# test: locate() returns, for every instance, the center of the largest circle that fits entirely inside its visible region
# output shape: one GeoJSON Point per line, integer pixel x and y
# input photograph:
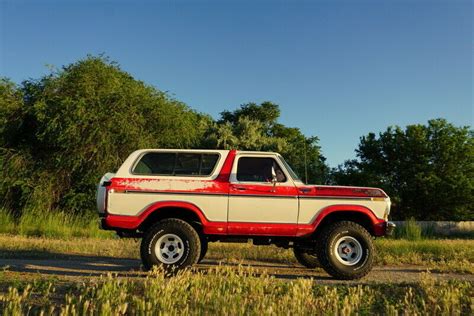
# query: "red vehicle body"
{"type": "Point", "coordinates": [218, 195]}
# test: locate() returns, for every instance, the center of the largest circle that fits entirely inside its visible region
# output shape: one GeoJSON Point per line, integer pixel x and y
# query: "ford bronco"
{"type": "Point", "coordinates": [178, 201]}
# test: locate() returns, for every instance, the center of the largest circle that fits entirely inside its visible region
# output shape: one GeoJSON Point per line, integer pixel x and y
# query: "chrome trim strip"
{"type": "Point", "coordinates": [213, 194]}
{"type": "Point", "coordinates": [175, 193]}
{"type": "Point", "coordinates": [253, 195]}
{"type": "Point", "coordinates": [265, 196]}
{"type": "Point", "coordinates": [336, 198]}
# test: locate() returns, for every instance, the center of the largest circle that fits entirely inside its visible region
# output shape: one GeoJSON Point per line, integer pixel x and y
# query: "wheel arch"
{"type": "Point", "coordinates": [186, 211]}
{"type": "Point", "coordinates": [354, 213]}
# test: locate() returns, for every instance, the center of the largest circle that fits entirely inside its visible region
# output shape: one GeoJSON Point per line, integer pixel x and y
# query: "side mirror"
{"type": "Point", "coordinates": [274, 175]}
{"type": "Point", "coordinates": [274, 179]}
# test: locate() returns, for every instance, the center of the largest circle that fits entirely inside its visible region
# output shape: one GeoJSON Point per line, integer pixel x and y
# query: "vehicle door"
{"type": "Point", "coordinates": [263, 200]}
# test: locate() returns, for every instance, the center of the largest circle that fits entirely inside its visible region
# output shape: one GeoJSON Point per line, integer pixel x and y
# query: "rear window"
{"type": "Point", "coordinates": [176, 164]}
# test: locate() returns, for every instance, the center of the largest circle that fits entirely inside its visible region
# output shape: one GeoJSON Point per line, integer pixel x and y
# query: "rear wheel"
{"type": "Point", "coordinates": [306, 258]}
{"type": "Point", "coordinates": [345, 250]}
{"type": "Point", "coordinates": [172, 244]}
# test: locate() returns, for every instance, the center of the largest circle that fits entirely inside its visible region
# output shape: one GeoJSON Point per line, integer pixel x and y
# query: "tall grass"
{"type": "Point", "coordinates": [225, 291]}
{"type": "Point", "coordinates": [51, 224]}
{"type": "Point", "coordinates": [410, 230]}
{"type": "Point", "coordinates": [7, 224]}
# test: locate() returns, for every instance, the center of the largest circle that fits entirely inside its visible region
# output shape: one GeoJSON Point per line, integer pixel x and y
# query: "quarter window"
{"type": "Point", "coordinates": [176, 164]}
{"type": "Point", "coordinates": [257, 169]}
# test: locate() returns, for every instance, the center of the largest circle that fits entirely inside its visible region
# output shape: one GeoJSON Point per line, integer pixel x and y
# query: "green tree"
{"type": "Point", "coordinates": [71, 126]}
{"type": "Point", "coordinates": [267, 113]}
{"type": "Point", "coordinates": [428, 170]}
{"type": "Point", "coordinates": [256, 127]}
{"type": "Point", "coordinates": [16, 163]}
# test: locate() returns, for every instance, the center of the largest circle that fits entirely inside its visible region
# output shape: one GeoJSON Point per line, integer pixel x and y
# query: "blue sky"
{"type": "Point", "coordinates": [338, 69]}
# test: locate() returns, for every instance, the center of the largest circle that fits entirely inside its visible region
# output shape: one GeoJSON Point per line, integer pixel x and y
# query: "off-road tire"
{"type": "Point", "coordinates": [327, 250]}
{"type": "Point", "coordinates": [309, 260]}
{"type": "Point", "coordinates": [191, 244]}
{"type": "Point", "coordinates": [204, 244]}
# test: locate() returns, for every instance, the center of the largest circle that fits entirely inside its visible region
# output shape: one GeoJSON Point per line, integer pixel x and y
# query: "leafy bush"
{"type": "Point", "coordinates": [60, 133]}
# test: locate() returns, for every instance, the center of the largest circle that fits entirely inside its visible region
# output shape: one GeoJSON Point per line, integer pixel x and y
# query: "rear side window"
{"type": "Point", "coordinates": [176, 164]}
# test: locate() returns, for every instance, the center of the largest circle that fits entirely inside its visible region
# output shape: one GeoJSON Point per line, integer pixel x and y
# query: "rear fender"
{"type": "Point", "coordinates": [134, 222]}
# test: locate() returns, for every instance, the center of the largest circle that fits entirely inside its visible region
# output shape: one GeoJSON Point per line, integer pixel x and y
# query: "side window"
{"type": "Point", "coordinates": [176, 164]}
{"type": "Point", "coordinates": [208, 163]}
{"type": "Point", "coordinates": [156, 163]}
{"type": "Point", "coordinates": [256, 169]}
{"type": "Point", "coordinates": [187, 164]}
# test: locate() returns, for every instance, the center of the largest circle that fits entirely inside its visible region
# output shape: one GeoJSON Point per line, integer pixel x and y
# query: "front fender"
{"type": "Point", "coordinates": [378, 225]}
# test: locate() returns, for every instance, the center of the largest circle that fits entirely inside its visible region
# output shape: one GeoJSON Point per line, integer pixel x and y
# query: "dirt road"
{"type": "Point", "coordinates": [78, 267]}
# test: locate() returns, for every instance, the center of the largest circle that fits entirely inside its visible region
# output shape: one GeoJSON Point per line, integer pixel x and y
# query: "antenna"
{"type": "Point", "coordinates": [305, 163]}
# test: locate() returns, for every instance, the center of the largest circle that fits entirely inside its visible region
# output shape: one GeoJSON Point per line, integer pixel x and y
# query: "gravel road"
{"type": "Point", "coordinates": [84, 267]}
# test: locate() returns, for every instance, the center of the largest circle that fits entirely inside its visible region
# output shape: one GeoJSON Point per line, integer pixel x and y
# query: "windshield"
{"type": "Point", "coordinates": [292, 173]}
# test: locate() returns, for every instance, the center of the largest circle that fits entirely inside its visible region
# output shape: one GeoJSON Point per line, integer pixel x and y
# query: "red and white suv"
{"type": "Point", "coordinates": [179, 200]}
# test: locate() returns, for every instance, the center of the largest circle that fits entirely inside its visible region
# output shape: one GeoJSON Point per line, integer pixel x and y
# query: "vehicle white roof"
{"type": "Point", "coordinates": [205, 150]}
{"type": "Point", "coordinates": [182, 150]}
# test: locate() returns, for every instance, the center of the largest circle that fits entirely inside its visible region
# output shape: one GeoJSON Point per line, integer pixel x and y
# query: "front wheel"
{"type": "Point", "coordinates": [345, 250]}
{"type": "Point", "coordinates": [172, 244]}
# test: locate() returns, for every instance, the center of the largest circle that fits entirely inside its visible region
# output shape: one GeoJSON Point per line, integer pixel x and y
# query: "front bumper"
{"type": "Point", "coordinates": [390, 228]}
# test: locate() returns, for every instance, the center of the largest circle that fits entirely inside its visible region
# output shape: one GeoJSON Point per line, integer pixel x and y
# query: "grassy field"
{"type": "Point", "coordinates": [230, 292]}
{"type": "Point", "coordinates": [233, 291]}
{"type": "Point", "coordinates": [225, 289]}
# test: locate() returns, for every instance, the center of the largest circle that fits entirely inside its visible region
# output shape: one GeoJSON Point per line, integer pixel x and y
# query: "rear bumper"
{"type": "Point", "coordinates": [103, 224]}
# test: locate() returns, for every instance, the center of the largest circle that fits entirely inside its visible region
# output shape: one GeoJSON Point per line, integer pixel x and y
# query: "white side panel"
{"type": "Point", "coordinates": [214, 207]}
{"type": "Point", "coordinates": [263, 209]}
{"type": "Point", "coordinates": [311, 207]}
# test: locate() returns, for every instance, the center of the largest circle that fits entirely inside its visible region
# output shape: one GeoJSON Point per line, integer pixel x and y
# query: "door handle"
{"type": "Point", "coordinates": [240, 188]}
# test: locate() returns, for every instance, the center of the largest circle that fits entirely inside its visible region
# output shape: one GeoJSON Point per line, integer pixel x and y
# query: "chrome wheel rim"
{"type": "Point", "coordinates": [169, 248]}
{"type": "Point", "coordinates": [348, 250]}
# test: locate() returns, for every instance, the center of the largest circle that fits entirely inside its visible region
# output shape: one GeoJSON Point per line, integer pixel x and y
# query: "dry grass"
{"type": "Point", "coordinates": [234, 291]}
{"type": "Point", "coordinates": [226, 291]}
